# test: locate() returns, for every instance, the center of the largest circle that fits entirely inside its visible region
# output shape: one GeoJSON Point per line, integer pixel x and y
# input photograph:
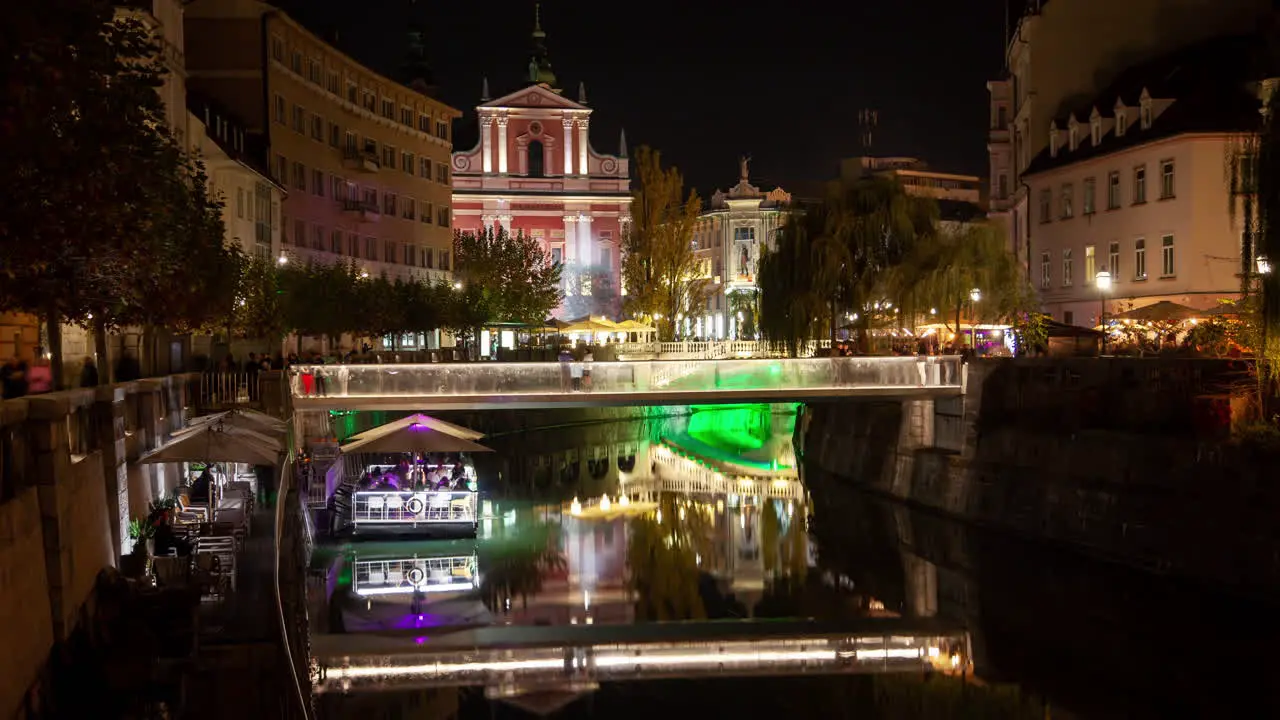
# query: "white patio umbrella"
{"type": "Point", "coordinates": [424, 420]}
{"type": "Point", "coordinates": [241, 419]}
{"type": "Point", "coordinates": [218, 443]}
{"type": "Point", "coordinates": [416, 433]}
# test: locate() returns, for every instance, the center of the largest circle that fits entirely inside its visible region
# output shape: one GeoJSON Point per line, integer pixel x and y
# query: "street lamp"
{"type": "Point", "coordinates": [974, 296]}
{"type": "Point", "coordinates": [283, 259]}
{"type": "Point", "coordinates": [457, 286]}
{"type": "Point", "coordinates": [364, 274]}
{"type": "Point", "coordinates": [1264, 265]}
{"type": "Point", "coordinates": [1103, 282]}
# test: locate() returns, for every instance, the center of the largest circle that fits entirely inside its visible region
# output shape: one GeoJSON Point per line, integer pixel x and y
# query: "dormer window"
{"type": "Point", "coordinates": [1145, 112]}
{"type": "Point", "coordinates": [1122, 120]}
{"type": "Point", "coordinates": [1073, 136]}
{"type": "Point", "coordinates": [1053, 140]}
{"type": "Point", "coordinates": [1095, 127]}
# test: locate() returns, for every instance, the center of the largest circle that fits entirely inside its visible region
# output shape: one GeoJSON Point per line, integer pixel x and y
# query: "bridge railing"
{"type": "Point", "coordinates": [712, 350]}
{"type": "Point", "coordinates": [641, 377]}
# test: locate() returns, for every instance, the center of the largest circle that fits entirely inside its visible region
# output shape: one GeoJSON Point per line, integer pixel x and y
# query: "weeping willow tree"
{"type": "Point", "coordinates": [939, 273]}
{"type": "Point", "coordinates": [1254, 179]}
{"type": "Point", "coordinates": [836, 259]}
{"type": "Point", "coordinates": [664, 554]}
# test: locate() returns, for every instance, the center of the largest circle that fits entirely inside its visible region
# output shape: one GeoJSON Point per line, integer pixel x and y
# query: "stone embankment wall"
{"type": "Point", "coordinates": [68, 488]}
{"type": "Point", "coordinates": [1112, 456]}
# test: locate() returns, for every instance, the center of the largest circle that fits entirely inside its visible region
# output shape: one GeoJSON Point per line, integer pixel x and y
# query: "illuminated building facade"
{"type": "Point", "coordinates": [737, 227]}
{"type": "Point", "coordinates": [534, 171]}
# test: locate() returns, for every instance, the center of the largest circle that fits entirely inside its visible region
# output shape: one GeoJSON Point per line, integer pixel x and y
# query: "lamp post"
{"type": "Point", "coordinates": [1103, 281]}
{"type": "Point", "coordinates": [974, 296]}
{"type": "Point", "coordinates": [1264, 265]}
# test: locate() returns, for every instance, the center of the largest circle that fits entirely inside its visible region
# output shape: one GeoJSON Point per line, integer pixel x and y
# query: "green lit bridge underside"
{"type": "Point", "coordinates": [444, 386]}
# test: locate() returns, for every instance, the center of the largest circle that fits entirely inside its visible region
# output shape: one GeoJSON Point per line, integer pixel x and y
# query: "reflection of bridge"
{"type": "Point", "coordinates": [509, 660]}
{"type": "Point", "coordinates": [514, 385]}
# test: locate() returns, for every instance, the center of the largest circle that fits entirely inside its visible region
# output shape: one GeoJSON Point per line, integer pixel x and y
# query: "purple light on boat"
{"type": "Point", "coordinates": [421, 640]}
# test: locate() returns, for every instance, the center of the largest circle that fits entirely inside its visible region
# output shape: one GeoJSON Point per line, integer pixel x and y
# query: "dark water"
{"type": "Point", "coordinates": [1052, 631]}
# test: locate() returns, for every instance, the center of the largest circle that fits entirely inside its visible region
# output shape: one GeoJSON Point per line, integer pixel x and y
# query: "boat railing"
{"type": "Point", "coordinates": [407, 575]}
{"type": "Point", "coordinates": [403, 507]}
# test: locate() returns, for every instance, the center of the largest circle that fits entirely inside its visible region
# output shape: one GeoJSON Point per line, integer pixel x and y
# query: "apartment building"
{"type": "Point", "coordinates": [1134, 181]}
{"type": "Point", "coordinates": [365, 159]}
{"type": "Point", "coordinates": [1062, 50]}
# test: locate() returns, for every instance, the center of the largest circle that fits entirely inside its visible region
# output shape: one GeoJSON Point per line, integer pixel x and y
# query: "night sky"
{"type": "Point", "coordinates": [706, 82]}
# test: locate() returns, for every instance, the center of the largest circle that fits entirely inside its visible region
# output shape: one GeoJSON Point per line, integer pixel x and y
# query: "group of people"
{"type": "Point", "coordinates": [575, 376]}
{"type": "Point", "coordinates": [424, 474]}
{"type": "Point", "coordinates": [19, 378]}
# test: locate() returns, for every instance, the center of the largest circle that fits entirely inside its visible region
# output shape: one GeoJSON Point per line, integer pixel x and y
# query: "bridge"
{"type": "Point", "coordinates": [446, 386]}
{"type": "Point", "coordinates": [511, 660]}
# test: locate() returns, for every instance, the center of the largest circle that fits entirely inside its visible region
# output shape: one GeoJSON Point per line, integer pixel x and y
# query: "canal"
{"type": "Point", "coordinates": [687, 522]}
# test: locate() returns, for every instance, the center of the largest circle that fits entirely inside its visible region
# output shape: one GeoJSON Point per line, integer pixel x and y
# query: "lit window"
{"type": "Point", "coordinates": [1167, 266]}
{"type": "Point", "coordinates": [1140, 259]}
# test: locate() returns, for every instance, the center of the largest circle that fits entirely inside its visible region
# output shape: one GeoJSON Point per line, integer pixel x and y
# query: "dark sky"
{"type": "Point", "coordinates": [706, 82]}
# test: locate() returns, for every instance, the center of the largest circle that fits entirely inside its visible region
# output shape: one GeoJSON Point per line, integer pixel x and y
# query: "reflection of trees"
{"type": "Point", "coordinates": [516, 565]}
{"type": "Point", "coordinates": [663, 558]}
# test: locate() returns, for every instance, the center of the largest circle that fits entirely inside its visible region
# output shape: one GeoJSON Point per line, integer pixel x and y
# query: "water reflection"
{"type": "Point", "coordinates": [707, 518]}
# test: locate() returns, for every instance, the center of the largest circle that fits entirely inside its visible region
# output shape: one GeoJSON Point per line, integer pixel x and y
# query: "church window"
{"type": "Point", "coordinates": [536, 159]}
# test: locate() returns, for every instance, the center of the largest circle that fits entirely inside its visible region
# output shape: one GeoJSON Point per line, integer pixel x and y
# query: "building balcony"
{"type": "Point", "coordinates": [355, 159]}
{"type": "Point", "coordinates": [367, 212]}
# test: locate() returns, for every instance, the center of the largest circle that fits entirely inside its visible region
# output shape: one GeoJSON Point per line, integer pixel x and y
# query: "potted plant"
{"type": "Point", "coordinates": [134, 564]}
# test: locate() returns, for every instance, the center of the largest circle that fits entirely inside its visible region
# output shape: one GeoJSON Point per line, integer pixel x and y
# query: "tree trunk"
{"type": "Point", "coordinates": [959, 329]}
{"type": "Point", "coordinates": [100, 351]}
{"type": "Point", "coordinates": [53, 320]}
{"type": "Point", "coordinates": [833, 328]}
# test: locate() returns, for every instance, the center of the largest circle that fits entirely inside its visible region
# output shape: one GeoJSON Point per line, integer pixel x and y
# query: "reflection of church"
{"type": "Point", "coordinates": [731, 234]}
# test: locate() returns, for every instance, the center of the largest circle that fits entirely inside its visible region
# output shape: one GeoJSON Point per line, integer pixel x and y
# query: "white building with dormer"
{"type": "Point", "coordinates": [534, 171]}
{"type": "Point", "coordinates": [1134, 181]}
{"type": "Point", "coordinates": [731, 235]}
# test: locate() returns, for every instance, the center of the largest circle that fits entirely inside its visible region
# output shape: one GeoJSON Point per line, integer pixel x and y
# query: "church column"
{"type": "Point", "coordinates": [586, 251]}
{"type": "Point", "coordinates": [486, 143]}
{"type": "Point", "coordinates": [570, 238]}
{"type": "Point", "coordinates": [583, 168]}
{"type": "Point", "coordinates": [568, 146]}
{"type": "Point", "coordinates": [502, 145]}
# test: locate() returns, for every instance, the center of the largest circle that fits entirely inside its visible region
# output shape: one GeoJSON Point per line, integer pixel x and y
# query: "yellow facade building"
{"type": "Point", "coordinates": [365, 159]}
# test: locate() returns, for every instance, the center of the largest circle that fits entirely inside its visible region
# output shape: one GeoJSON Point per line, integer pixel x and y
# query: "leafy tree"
{"type": "Point", "coordinates": [745, 306]}
{"type": "Point", "coordinates": [789, 301]}
{"type": "Point", "coordinates": [942, 269]}
{"type": "Point", "coordinates": [259, 310]}
{"type": "Point", "coordinates": [100, 201]}
{"type": "Point", "coordinates": [835, 258]}
{"type": "Point", "coordinates": [590, 292]}
{"type": "Point", "coordinates": [663, 276]}
{"type": "Point", "coordinates": [512, 275]}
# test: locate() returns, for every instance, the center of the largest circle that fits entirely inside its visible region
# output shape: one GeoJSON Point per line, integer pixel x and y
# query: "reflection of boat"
{"type": "Point", "coordinates": [410, 575]}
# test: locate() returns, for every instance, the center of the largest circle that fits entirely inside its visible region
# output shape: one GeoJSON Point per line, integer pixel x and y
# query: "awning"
{"type": "Point", "coordinates": [416, 433]}
{"type": "Point", "coordinates": [1163, 311]}
{"type": "Point", "coordinates": [218, 443]}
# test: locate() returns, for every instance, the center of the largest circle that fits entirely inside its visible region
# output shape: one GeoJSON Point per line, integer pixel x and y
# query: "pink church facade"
{"type": "Point", "coordinates": [535, 172]}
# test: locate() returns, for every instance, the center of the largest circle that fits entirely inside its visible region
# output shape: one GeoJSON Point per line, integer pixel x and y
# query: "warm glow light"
{"type": "Point", "coordinates": [975, 294]}
{"type": "Point", "coordinates": [457, 286]}
{"type": "Point", "coordinates": [1264, 265]}
{"type": "Point", "coordinates": [623, 500]}
{"type": "Point", "coordinates": [364, 274]}
{"type": "Point", "coordinates": [575, 508]}
{"type": "Point", "coordinates": [604, 503]}
{"type": "Point", "coordinates": [1103, 280]}
{"type": "Point", "coordinates": [283, 259]}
